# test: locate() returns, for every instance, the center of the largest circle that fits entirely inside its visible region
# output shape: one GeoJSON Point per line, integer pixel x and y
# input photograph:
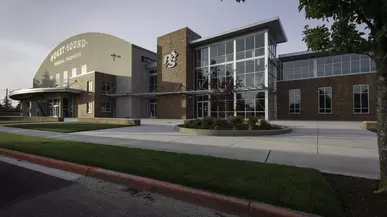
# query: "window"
{"type": "Point", "coordinates": [89, 107]}
{"type": "Point", "coordinates": [105, 107]}
{"type": "Point", "coordinates": [250, 104]}
{"type": "Point", "coordinates": [325, 100]}
{"type": "Point", "coordinates": [89, 86]}
{"type": "Point", "coordinates": [361, 99]}
{"type": "Point", "coordinates": [84, 69]}
{"type": "Point", "coordinates": [153, 82]}
{"type": "Point", "coordinates": [65, 78]}
{"type": "Point", "coordinates": [295, 101]}
{"type": "Point", "coordinates": [74, 72]}
{"type": "Point", "coordinates": [57, 79]}
{"type": "Point", "coordinates": [106, 87]}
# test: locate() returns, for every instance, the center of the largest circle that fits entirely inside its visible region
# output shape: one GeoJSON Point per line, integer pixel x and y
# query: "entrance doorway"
{"type": "Point", "coordinates": [202, 109]}
{"type": "Point", "coordinates": [53, 107]}
{"type": "Point", "coordinates": [153, 108]}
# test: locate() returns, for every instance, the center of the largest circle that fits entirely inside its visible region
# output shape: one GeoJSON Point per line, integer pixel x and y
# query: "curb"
{"type": "Point", "coordinates": [215, 201]}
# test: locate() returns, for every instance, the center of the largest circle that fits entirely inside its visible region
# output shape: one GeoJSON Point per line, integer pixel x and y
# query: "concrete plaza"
{"type": "Point", "coordinates": [333, 147]}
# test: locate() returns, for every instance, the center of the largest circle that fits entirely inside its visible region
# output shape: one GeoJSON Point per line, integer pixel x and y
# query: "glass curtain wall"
{"type": "Point", "coordinates": [239, 61]}
{"type": "Point", "coordinates": [272, 80]}
{"type": "Point", "coordinates": [327, 66]}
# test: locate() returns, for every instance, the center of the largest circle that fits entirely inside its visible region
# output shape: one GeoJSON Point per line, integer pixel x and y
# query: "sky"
{"type": "Point", "coordinates": [30, 29]}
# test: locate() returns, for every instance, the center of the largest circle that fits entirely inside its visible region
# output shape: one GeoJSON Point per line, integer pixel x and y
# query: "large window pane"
{"type": "Point", "coordinates": [355, 57]}
{"type": "Point", "coordinates": [214, 54]}
{"type": "Point", "coordinates": [328, 70]}
{"type": "Point", "coordinates": [249, 66]}
{"type": "Point", "coordinates": [240, 45]}
{"type": "Point", "coordinates": [360, 99]}
{"type": "Point", "coordinates": [295, 101]}
{"type": "Point", "coordinates": [221, 49]}
{"type": "Point", "coordinates": [304, 72]}
{"type": "Point", "coordinates": [260, 64]}
{"type": "Point", "coordinates": [240, 68]}
{"type": "Point", "coordinates": [250, 43]}
{"type": "Point", "coordinates": [297, 73]}
{"type": "Point", "coordinates": [229, 51]}
{"type": "Point", "coordinates": [249, 79]}
{"type": "Point", "coordinates": [259, 40]}
{"type": "Point", "coordinates": [241, 79]}
{"type": "Point", "coordinates": [325, 100]}
{"type": "Point", "coordinates": [259, 79]}
{"type": "Point", "coordinates": [229, 47]}
{"type": "Point", "coordinates": [328, 60]}
{"type": "Point", "coordinates": [355, 67]}
{"type": "Point", "coordinates": [346, 68]}
{"type": "Point", "coordinates": [320, 70]}
{"type": "Point", "coordinates": [365, 65]}
{"type": "Point", "coordinates": [337, 68]}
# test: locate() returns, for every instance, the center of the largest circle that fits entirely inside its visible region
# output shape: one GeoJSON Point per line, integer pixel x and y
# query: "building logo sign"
{"type": "Point", "coordinates": [69, 47]}
{"type": "Point", "coordinates": [170, 59]}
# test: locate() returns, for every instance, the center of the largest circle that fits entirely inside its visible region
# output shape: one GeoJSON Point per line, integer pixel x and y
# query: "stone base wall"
{"type": "Point", "coordinates": [32, 119]}
{"type": "Point", "coordinates": [123, 121]}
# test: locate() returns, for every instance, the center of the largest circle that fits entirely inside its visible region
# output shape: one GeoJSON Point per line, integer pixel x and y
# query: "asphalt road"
{"type": "Point", "coordinates": [24, 192]}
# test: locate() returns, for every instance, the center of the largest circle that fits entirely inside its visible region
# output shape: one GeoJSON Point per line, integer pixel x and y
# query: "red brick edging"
{"type": "Point", "coordinates": [219, 202]}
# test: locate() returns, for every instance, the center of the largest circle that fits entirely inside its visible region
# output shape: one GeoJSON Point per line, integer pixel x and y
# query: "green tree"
{"type": "Point", "coordinates": [358, 26]}
{"type": "Point", "coordinates": [7, 104]}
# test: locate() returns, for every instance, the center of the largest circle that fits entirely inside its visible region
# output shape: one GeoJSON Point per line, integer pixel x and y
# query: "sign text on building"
{"type": "Point", "coordinates": [69, 47]}
{"type": "Point", "coordinates": [170, 59]}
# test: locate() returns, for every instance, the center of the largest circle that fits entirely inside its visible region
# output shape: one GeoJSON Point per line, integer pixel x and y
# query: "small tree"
{"type": "Point", "coordinates": [7, 104]}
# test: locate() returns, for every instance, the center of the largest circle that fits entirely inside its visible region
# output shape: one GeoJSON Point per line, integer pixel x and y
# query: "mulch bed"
{"type": "Point", "coordinates": [357, 196]}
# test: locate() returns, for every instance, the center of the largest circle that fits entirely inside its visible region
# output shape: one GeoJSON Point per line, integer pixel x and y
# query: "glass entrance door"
{"type": "Point", "coordinates": [202, 109]}
{"type": "Point", "coordinates": [153, 108]}
{"type": "Point", "coordinates": [53, 107]}
{"type": "Point", "coordinates": [55, 112]}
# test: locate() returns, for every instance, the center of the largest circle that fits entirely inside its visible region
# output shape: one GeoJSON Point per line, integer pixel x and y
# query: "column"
{"type": "Point", "coordinates": [29, 109]}
{"type": "Point", "coordinates": [209, 84]}
{"type": "Point", "coordinates": [266, 75]}
{"type": "Point", "coordinates": [235, 79]}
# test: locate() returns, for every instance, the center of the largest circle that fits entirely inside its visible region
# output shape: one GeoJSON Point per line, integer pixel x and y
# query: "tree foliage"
{"type": "Point", "coordinates": [357, 25]}
{"type": "Point", "coordinates": [7, 104]}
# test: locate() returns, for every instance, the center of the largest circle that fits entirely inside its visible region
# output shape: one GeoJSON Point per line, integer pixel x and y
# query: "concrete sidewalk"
{"type": "Point", "coordinates": [367, 167]}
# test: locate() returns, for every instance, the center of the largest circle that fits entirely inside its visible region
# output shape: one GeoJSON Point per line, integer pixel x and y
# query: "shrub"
{"type": "Point", "coordinates": [237, 122]}
{"type": "Point", "coordinates": [221, 123]}
{"type": "Point", "coordinates": [264, 124]}
{"type": "Point", "coordinates": [188, 123]}
{"type": "Point", "coordinates": [252, 121]}
{"type": "Point", "coordinates": [197, 123]}
{"type": "Point", "coordinates": [208, 122]}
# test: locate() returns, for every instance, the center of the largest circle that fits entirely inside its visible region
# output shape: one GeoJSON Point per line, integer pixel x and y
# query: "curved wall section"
{"type": "Point", "coordinates": [84, 53]}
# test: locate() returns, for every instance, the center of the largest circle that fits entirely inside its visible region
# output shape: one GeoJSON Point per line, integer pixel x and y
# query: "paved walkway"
{"type": "Point", "coordinates": [342, 148]}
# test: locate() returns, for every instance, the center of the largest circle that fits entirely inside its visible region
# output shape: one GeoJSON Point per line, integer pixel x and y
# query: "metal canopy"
{"type": "Point", "coordinates": [23, 94]}
{"type": "Point", "coordinates": [188, 92]}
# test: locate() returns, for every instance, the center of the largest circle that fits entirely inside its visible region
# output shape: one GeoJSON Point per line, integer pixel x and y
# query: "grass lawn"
{"type": "Point", "coordinates": [296, 188]}
{"type": "Point", "coordinates": [68, 127]}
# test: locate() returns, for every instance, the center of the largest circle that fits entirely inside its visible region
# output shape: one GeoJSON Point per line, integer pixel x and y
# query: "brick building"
{"type": "Point", "coordinates": [236, 72]}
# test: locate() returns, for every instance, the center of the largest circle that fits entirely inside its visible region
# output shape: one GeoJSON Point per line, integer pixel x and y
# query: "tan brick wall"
{"type": "Point", "coordinates": [168, 79]}
{"type": "Point", "coordinates": [99, 98]}
{"type": "Point", "coordinates": [81, 100]}
{"type": "Point", "coordinates": [342, 98]}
